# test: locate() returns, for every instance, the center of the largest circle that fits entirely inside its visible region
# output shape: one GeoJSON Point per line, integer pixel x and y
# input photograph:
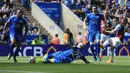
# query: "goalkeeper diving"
{"type": "Point", "coordinates": [67, 56]}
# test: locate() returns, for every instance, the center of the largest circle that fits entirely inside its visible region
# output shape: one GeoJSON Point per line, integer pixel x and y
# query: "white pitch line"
{"type": "Point", "coordinates": [13, 71]}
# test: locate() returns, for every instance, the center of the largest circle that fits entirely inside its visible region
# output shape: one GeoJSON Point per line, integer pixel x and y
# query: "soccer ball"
{"type": "Point", "coordinates": [32, 60]}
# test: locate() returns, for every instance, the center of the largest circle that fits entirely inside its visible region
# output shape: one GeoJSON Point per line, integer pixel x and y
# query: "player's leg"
{"type": "Point", "coordinates": [47, 57]}
{"type": "Point", "coordinates": [111, 54]}
{"type": "Point", "coordinates": [107, 42]}
{"type": "Point", "coordinates": [101, 43]}
{"type": "Point", "coordinates": [52, 60]}
{"type": "Point", "coordinates": [51, 55]}
{"type": "Point", "coordinates": [18, 44]}
{"type": "Point", "coordinates": [103, 39]}
{"type": "Point", "coordinates": [91, 41]}
{"type": "Point", "coordinates": [12, 45]}
{"type": "Point", "coordinates": [93, 51]}
{"type": "Point", "coordinates": [101, 50]}
{"type": "Point", "coordinates": [97, 45]}
{"type": "Point", "coordinates": [115, 43]}
{"type": "Point", "coordinates": [45, 61]}
{"type": "Point", "coordinates": [84, 59]}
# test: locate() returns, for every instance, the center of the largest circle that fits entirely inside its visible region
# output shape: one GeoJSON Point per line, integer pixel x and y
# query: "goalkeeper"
{"type": "Point", "coordinates": [64, 56]}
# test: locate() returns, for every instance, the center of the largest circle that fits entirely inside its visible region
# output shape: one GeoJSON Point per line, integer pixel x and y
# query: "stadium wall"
{"type": "Point", "coordinates": [71, 21]}
{"type": "Point", "coordinates": [46, 22]}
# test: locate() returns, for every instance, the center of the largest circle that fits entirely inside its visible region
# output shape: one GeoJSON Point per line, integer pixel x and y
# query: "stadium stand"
{"type": "Point", "coordinates": [115, 8]}
{"type": "Point", "coordinates": [15, 4]}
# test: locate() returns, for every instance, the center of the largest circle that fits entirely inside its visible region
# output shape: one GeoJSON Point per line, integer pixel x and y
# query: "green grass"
{"type": "Point", "coordinates": [120, 65]}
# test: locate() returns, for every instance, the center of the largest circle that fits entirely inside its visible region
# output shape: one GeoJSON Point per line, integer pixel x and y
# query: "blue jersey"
{"type": "Point", "coordinates": [94, 21]}
{"type": "Point", "coordinates": [16, 25]}
{"type": "Point", "coordinates": [67, 56]}
{"type": "Point", "coordinates": [11, 18]}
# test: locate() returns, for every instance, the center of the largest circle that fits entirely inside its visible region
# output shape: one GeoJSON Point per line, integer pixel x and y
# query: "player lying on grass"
{"type": "Point", "coordinates": [67, 56]}
{"type": "Point", "coordinates": [115, 41]}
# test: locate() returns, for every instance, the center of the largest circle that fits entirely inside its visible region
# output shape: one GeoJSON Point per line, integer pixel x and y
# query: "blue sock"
{"type": "Point", "coordinates": [93, 51]}
{"type": "Point", "coordinates": [50, 56]}
{"type": "Point", "coordinates": [11, 50]}
{"type": "Point", "coordinates": [17, 51]}
{"type": "Point", "coordinates": [98, 49]}
{"type": "Point", "coordinates": [47, 61]}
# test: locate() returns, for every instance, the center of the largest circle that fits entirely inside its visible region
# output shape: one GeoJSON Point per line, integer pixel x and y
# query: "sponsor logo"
{"type": "Point", "coordinates": [52, 49]}
{"type": "Point", "coordinates": [124, 48]}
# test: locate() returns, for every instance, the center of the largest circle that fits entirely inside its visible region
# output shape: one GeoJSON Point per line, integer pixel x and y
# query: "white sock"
{"type": "Point", "coordinates": [111, 54]}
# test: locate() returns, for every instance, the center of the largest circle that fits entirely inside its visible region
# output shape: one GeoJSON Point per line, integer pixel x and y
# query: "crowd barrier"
{"type": "Point", "coordinates": [29, 38]}
{"type": "Point", "coordinates": [40, 50]}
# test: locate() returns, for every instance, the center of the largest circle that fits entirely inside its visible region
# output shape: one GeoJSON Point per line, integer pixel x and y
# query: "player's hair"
{"type": "Point", "coordinates": [56, 35]}
{"type": "Point", "coordinates": [117, 19]}
{"type": "Point", "coordinates": [125, 20]}
{"type": "Point", "coordinates": [67, 30]}
{"type": "Point", "coordinates": [79, 33]}
{"type": "Point", "coordinates": [96, 6]}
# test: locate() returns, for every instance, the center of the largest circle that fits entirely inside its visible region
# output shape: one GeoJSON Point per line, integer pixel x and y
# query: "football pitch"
{"type": "Point", "coordinates": [120, 65]}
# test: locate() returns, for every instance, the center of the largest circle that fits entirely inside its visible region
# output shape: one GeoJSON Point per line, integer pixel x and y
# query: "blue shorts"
{"type": "Point", "coordinates": [94, 36]}
{"type": "Point", "coordinates": [16, 36]}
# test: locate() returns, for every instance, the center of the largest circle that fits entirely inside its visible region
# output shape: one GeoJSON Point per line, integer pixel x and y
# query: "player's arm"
{"type": "Point", "coordinates": [27, 20]}
{"type": "Point", "coordinates": [5, 29]}
{"type": "Point", "coordinates": [110, 28]}
{"type": "Point", "coordinates": [105, 16]}
{"type": "Point", "coordinates": [113, 31]}
{"type": "Point", "coordinates": [86, 20]}
{"type": "Point", "coordinates": [6, 24]}
{"type": "Point", "coordinates": [110, 32]}
{"type": "Point", "coordinates": [84, 24]}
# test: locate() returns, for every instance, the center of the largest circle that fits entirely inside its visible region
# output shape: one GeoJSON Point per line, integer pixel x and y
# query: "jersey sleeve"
{"type": "Point", "coordinates": [11, 19]}
{"type": "Point", "coordinates": [117, 28]}
{"type": "Point", "coordinates": [87, 17]}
